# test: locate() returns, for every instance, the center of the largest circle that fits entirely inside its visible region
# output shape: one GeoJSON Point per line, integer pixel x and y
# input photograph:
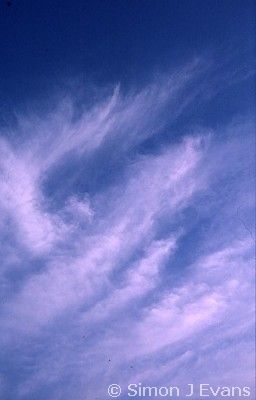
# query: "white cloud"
{"type": "Point", "coordinates": [122, 263]}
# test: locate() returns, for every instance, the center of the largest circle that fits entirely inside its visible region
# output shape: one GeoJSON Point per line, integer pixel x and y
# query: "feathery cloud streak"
{"type": "Point", "coordinates": [113, 249]}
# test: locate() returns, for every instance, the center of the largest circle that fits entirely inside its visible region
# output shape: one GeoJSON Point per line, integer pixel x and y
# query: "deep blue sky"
{"type": "Point", "coordinates": [42, 42]}
{"type": "Point", "coordinates": [126, 196]}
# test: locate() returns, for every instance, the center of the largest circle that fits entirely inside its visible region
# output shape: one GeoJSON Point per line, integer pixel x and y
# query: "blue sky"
{"type": "Point", "coordinates": [126, 196]}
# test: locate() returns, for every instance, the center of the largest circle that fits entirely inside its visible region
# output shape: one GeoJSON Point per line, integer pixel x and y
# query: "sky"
{"type": "Point", "coordinates": [127, 222]}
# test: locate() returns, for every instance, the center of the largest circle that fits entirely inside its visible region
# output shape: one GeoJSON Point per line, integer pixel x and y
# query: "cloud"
{"type": "Point", "coordinates": [123, 261]}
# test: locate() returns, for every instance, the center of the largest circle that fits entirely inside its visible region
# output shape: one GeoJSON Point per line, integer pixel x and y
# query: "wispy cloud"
{"type": "Point", "coordinates": [122, 262]}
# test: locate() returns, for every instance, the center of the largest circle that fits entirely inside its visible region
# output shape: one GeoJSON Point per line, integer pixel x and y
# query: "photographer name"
{"type": "Point", "coordinates": [201, 390]}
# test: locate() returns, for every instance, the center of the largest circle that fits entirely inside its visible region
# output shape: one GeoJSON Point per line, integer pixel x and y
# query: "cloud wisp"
{"type": "Point", "coordinates": [123, 261]}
